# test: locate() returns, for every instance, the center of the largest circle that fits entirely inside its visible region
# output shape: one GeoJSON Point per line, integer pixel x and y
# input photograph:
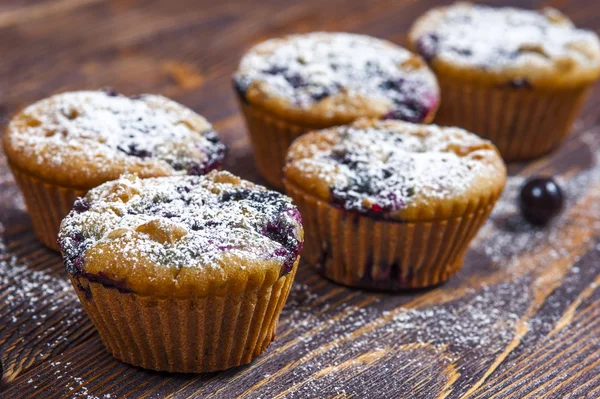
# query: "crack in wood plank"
{"type": "Point", "coordinates": [544, 359]}
{"type": "Point", "coordinates": [570, 313]}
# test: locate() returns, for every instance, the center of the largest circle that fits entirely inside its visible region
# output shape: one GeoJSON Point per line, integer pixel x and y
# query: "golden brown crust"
{"type": "Point", "coordinates": [432, 173]}
{"type": "Point", "coordinates": [145, 277]}
{"type": "Point", "coordinates": [82, 139]}
{"type": "Point", "coordinates": [182, 236]}
{"type": "Point", "coordinates": [322, 95]}
{"type": "Point", "coordinates": [502, 46]}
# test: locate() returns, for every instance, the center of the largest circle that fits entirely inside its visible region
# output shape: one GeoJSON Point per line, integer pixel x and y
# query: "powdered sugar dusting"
{"type": "Point", "coordinates": [479, 325]}
{"type": "Point", "coordinates": [74, 386]}
{"type": "Point", "coordinates": [110, 129]}
{"type": "Point", "coordinates": [183, 221]}
{"type": "Point", "coordinates": [387, 166]}
{"type": "Point", "coordinates": [34, 302]}
{"type": "Point", "coordinates": [494, 38]}
{"type": "Point", "coordinates": [305, 69]}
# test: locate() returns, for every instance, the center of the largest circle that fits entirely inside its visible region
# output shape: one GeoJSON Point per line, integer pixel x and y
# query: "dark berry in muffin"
{"type": "Point", "coordinates": [175, 223]}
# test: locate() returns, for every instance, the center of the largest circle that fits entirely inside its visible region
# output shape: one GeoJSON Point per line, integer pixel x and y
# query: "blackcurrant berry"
{"type": "Point", "coordinates": [541, 199]}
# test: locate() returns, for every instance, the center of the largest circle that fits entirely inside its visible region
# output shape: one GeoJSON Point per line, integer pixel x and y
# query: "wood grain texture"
{"type": "Point", "coordinates": [520, 320]}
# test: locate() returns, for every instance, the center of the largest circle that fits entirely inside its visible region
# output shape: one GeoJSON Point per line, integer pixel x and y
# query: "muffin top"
{"type": "Point", "coordinates": [396, 170]}
{"type": "Point", "coordinates": [507, 45]}
{"type": "Point", "coordinates": [82, 139]}
{"type": "Point", "coordinates": [332, 78]}
{"type": "Point", "coordinates": [181, 235]}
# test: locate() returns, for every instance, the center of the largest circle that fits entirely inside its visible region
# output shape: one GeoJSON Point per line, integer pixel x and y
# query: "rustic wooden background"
{"type": "Point", "coordinates": [522, 319]}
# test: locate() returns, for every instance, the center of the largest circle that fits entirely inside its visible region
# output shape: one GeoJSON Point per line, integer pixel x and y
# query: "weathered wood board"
{"type": "Point", "coordinates": [522, 319]}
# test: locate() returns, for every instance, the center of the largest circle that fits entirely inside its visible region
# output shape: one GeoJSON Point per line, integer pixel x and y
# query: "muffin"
{"type": "Point", "coordinates": [61, 147]}
{"type": "Point", "coordinates": [183, 273]}
{"type": "Point", "coordinates": [298, 83]}
{"type": "Point", "coordinates": [515, 77]}
{"type": "Point", "coordinates": [390, 205]}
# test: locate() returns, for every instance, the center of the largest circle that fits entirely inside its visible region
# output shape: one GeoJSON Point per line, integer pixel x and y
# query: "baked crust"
{"type": "Point", "coordinates": [82, 139]}
{"type": "Point", "coordinates": [181, 236]}
{"type": "Point", "coordinates": [323, 79]}
{"type": "Point", "coordinates": [396, 170]}
{"type": "Point", "coordinates": [506, 46]}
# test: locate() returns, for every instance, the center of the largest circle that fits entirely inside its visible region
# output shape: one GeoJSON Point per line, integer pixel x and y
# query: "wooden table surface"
{"type": "Point", "coordinates": [521, 320]}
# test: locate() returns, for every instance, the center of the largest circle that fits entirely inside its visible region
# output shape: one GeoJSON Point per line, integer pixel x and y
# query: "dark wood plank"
{"type": "Point", "coordinates": [520, 319]}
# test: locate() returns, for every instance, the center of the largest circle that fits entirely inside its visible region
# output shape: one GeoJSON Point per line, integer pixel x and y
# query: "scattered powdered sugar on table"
{"type": "Point", "coordinates": [482, 36]}
{"type": "Point", "coordinates": [182, 221]}
{"type": "Point", "coordinates": [105, 126]}
{"type": "Point", "coordinates": [72, 385]}
{"type": "Point", "coordinates": [478, 324]}
{"type": "Point", "coordinates": [42, 314]}
{"type": "Point", "coordinates": [512, 234]}
{"type": "Point", "coordinates": [474, 324]}
{"type": "Point", "coordinates": [309, 68]}
{"type": "Point", "coordinates": [389, 165]}
{"type": "Point", "coordinates": [24, 287]}
{"type": "Point", "coordinates": [41, 309]}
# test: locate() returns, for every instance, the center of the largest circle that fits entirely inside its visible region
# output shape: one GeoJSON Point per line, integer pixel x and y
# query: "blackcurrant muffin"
{"type": "Point", "coordinates": [389, 204]}
{"type": "Point", "coordinates": [61, 147]}
{"type": "Point", "coordinates": [183, 273]}
{"type": "Point", "coordinates": [288, 86]}
{"type": "Point", "coordinates": [516, 77]}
